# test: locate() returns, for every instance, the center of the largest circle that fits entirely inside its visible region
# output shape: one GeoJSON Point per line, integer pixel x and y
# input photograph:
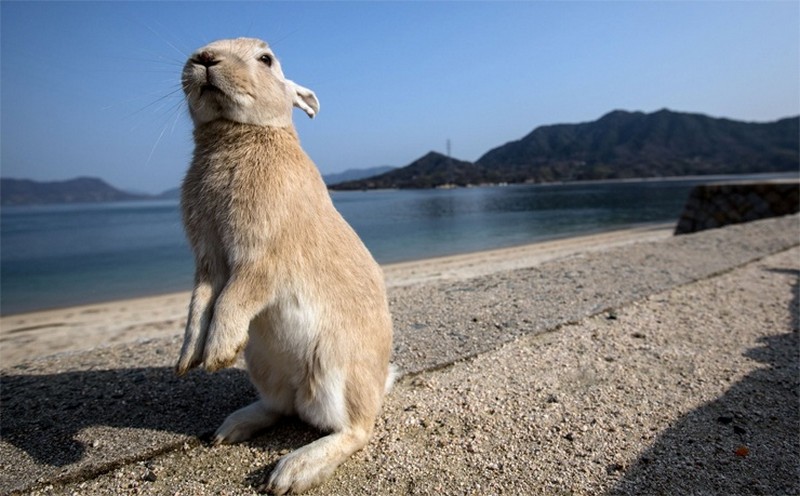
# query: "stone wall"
{"type": "Point", "coordinates": [716, 205]}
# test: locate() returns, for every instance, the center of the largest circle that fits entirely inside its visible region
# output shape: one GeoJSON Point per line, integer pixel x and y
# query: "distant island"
{"type": "Point", "coordinates": [78, 190]}
{"type": "Point", "coordinates": [355, 174]}
{"type": "Point", "coordinates": [619, 145]}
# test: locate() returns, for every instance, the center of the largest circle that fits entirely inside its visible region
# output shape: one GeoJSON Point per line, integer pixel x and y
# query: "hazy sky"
{"type": "Point", "coordinates": [93, 88]}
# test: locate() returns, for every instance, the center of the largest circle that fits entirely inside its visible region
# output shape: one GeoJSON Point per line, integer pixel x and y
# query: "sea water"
{"type": "Point", "coordinates": [62, 255]}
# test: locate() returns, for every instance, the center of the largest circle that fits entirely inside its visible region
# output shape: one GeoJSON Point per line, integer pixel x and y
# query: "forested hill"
{"type": "Point", "coordinates": [431, 170]}
{"type": "Point", "coordinates": [624, 145]}
{"type": "Point", "coordinates": [634, 144]}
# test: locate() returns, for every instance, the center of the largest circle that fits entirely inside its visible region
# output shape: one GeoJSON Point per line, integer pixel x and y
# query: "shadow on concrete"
{"type": "Point", "coordinates": [44, 414]}
{"type": "Point", "coordinates": [75, 425]}
{"type": "Point", "coordinates": [745, 442]}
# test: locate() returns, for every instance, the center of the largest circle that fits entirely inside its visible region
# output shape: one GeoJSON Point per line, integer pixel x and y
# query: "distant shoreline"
{"type": "Point", "coordinates": [171, 196]}
{"type": "Point", "coordinates": [761, 176]}
{"type": "Point", "coordinates": [714, 177]}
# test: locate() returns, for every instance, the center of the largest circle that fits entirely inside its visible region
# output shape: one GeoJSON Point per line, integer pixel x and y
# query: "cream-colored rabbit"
{"type": "Point", "coordinates": [279, 273]}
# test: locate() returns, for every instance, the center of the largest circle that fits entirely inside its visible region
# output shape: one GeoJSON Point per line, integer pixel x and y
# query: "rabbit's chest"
{"type": "Point", "coordinates": [226, 192]}
{"type": "Point", "coordinates": [227, 205]}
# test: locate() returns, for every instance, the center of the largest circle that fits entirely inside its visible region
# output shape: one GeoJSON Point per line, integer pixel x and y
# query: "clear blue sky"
{"type": "Point", "coordinates": [93, 88]}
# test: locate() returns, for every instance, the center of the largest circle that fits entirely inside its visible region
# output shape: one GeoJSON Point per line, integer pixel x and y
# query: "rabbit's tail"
{"type": "Point", "coordinates": [390, 378]}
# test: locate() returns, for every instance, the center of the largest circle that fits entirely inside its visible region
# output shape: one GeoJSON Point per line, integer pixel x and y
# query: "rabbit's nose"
{"type": "Point", "coordinates": [206, 59]}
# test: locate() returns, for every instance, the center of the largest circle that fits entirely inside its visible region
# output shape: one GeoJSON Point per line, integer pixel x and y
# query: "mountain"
{"type": "Point", "coordinates": [170, 194]}
{"type": "Point", "coordinates": [79, 190]}
{"type": "Point", "coordinates": [618, 145]}
{"type": "Point", "coordinates": [355, 174]}
{"type": "Point", "coordinates": [432, 170]}
{"type": "Point", "coordinates": [634, 144]}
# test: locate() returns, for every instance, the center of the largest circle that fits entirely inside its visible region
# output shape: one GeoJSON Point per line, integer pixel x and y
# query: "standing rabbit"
{"type": "Point", "coordinates": [279, 273]}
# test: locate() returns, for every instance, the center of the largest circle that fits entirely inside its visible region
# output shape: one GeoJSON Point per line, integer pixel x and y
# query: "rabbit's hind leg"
{"type": "Point", "coordinates": [314, 463]}
{"type": "Point", "coordinates": [245, 422]}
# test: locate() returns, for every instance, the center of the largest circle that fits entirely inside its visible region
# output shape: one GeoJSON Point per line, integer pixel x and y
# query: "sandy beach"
{"type": "Point", "coordinates": [30, 335]}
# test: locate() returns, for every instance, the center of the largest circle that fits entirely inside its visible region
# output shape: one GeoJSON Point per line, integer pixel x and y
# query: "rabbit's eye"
{"type": "Point", "coordinates": [266, 59]}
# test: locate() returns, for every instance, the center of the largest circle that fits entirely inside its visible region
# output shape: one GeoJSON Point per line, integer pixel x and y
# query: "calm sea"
{"type": "Point", "coordinates": [61, 255]}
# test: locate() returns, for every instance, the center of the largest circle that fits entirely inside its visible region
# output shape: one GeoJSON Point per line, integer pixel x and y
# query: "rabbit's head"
{"type": "Point", "coordinates": [241, 80]}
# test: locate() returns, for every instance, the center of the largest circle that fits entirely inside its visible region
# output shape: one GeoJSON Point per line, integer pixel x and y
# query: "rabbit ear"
{"type": "Point", "coordinates": [303, 98]}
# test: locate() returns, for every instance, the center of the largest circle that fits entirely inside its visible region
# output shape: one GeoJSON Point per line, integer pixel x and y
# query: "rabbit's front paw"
{"type": "Point", "coordinates": [191, 351]}
{"type": "Point", "coordinates": [222, 348]}
{"type": "Point", "coordinates": [187, 361]}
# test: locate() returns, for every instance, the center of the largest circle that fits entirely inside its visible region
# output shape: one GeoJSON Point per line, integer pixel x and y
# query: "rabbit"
{"type": "Point", "coordinates": [279, 273]}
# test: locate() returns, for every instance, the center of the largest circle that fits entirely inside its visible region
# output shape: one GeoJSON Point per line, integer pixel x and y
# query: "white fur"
{"type": "Point", "coordinates": [326, 408]}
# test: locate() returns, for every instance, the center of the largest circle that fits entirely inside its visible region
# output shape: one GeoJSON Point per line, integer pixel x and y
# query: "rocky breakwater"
{"type": "Point", "coordinates": [716, 205]}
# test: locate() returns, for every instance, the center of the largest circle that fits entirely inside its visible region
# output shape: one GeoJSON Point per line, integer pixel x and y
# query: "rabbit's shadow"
{"type": "Point", "coordinates": [47, 415]}
{"type": "Point", "coordinates": [43, 415]}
